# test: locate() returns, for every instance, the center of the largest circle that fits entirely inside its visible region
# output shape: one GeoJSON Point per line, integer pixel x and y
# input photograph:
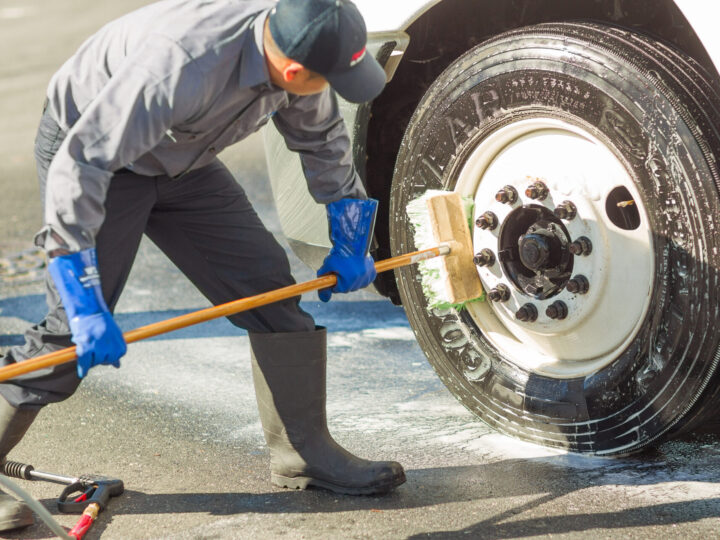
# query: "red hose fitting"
{"type": "Point", "coordinates": [87, 519]}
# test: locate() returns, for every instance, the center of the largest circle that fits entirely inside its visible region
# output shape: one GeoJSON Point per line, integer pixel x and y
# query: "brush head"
{"type": "Point", "coordinates": [443, 217]}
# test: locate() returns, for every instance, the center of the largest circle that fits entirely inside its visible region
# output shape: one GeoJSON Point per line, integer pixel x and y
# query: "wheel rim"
{"type": "Point", "coordinates": [539, 258]}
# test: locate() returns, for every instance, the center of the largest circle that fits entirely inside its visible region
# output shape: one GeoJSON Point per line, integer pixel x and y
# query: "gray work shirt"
{"type": "Point", "coordinates": [161, 91]}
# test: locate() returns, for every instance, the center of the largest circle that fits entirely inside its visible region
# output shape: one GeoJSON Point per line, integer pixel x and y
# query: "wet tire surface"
{"type": "Point", "coordinates": [656, 111]}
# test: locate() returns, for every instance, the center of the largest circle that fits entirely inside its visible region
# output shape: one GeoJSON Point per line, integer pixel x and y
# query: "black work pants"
{"type": "Point", "coordinates": [203, 222]}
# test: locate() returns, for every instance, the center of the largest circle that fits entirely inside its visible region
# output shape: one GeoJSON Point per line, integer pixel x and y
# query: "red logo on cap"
{"type": "Point", "coordinates": [358, 56]}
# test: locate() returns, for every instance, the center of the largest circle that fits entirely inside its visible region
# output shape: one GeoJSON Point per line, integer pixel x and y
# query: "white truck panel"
{"type": "Point", "coordinates": [389, 15]}
{"type": "Point", "coordinates": [703, 15]}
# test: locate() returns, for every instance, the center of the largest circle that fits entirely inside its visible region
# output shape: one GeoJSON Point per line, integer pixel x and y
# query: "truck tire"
{"type": "Point", "coordinates": [593, 149]}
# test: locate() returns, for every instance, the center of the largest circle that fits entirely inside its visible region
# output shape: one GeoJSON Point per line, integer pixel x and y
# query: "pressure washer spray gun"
{"type": "Point", "coordinates": [87, 494]}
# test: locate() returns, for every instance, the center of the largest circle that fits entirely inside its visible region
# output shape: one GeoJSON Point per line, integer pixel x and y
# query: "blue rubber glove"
{"type": "Point", "coordinates": [94, 331]}
{"type": "Point", "coordinates": [351, 228]}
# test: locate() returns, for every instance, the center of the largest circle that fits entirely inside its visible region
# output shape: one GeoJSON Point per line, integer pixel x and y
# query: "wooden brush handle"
{"type": "Point", "coordinates": [215, 312]}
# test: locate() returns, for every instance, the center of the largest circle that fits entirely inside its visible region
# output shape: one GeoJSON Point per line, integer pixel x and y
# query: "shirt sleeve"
{"type": "Point", "coordinates": [313, 127]}
{"type": "Point", "coordinates": [153, 89]}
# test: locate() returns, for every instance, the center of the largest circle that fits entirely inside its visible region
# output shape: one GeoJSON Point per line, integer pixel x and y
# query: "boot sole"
{"type": "Point", "coordinates": [304, 482]}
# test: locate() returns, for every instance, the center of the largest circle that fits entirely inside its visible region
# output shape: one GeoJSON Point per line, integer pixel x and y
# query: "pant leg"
{"type": "Point", "coordinates": [206, 225]}
{"type": "Point", "coordinates": [129, 200]}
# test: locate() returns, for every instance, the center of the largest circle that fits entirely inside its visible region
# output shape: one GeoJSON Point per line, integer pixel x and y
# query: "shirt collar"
{"type": "Point", "coordinates": [253, 69]}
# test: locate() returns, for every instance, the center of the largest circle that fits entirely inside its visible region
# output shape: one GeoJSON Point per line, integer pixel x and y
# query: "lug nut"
{"type": "Point", "coordinates": [501, 293]}
{"type": "Point", "coordinates": [507, 195]}
{"type": "Point", "coordinates": [566, 211]}
{"type": "Point", "coordinates": [485, 258]}
{"type": "Point", "coordinates": [557, 310]}
{"type": "Point", "coordinates": [578, 285]}
{"type": "Point", "coordinates": [487, 221]}
{"type": "Point", "coordinates": [538, 191]}
{"type": "Point", "coordinates": [527, 313]}
{"type": "Point", "coordinates": [581, 246]}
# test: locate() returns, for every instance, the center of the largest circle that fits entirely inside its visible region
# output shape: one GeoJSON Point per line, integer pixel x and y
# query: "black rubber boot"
{"type": "Point", "coordinates": [289, 375]}
{"type": "Point", "coordinates": [13, 425]}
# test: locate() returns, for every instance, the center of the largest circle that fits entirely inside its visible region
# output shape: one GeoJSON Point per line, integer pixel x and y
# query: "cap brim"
{"type": "Point", "coordinates": [362, 82]}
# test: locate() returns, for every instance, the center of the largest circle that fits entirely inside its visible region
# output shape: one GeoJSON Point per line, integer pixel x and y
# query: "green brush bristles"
{"type": "Point", "coordinates": [431, 270]}
{"type": "Point", "coordinates": [459, 306]}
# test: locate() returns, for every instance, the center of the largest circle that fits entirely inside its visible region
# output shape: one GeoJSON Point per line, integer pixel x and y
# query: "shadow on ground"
{"type": "Point", "coordinates": [543, 480]}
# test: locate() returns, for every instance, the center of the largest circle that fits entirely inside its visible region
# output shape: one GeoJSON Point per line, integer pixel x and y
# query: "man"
{"type": "Point", "coordinates": [127, 146]}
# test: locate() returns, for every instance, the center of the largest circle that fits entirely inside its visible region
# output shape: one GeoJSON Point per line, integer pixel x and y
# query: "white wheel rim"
{"type": "Point", "coordinates": [575, 166]}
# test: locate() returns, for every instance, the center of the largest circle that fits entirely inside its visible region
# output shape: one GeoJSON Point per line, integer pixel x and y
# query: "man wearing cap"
{"type": "Point", "coordinates": [128, 145]}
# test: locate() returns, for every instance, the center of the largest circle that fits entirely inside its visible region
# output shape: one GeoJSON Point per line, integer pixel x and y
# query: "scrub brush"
{"type": "Point", "coordinates": [446, 217]}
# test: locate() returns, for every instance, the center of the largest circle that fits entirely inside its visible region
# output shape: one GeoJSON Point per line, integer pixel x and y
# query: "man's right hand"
{"type": "Point", "coordinates": [94, 331]}
{"type": "Point", "coordinates": [351, 228]}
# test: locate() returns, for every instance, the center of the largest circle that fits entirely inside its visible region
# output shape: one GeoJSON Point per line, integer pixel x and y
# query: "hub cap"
{"type": "Point", "coordinates": [535, 248]}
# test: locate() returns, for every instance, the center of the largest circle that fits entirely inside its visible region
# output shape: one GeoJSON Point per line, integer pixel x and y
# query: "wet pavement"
{"type": "Point", "coordinates": [178, 422]}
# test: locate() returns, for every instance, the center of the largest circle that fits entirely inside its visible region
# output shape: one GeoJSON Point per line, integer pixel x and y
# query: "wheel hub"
{"type": "Point", "coordinates": [534, 251]}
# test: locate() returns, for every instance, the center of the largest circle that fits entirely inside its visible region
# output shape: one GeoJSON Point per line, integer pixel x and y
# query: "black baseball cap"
{"type": "Point", "coordinates": [329, 37]}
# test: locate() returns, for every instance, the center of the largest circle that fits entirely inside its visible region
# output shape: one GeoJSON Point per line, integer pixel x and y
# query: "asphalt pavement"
{"type": "Point", "coordinates": [178, 422]}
